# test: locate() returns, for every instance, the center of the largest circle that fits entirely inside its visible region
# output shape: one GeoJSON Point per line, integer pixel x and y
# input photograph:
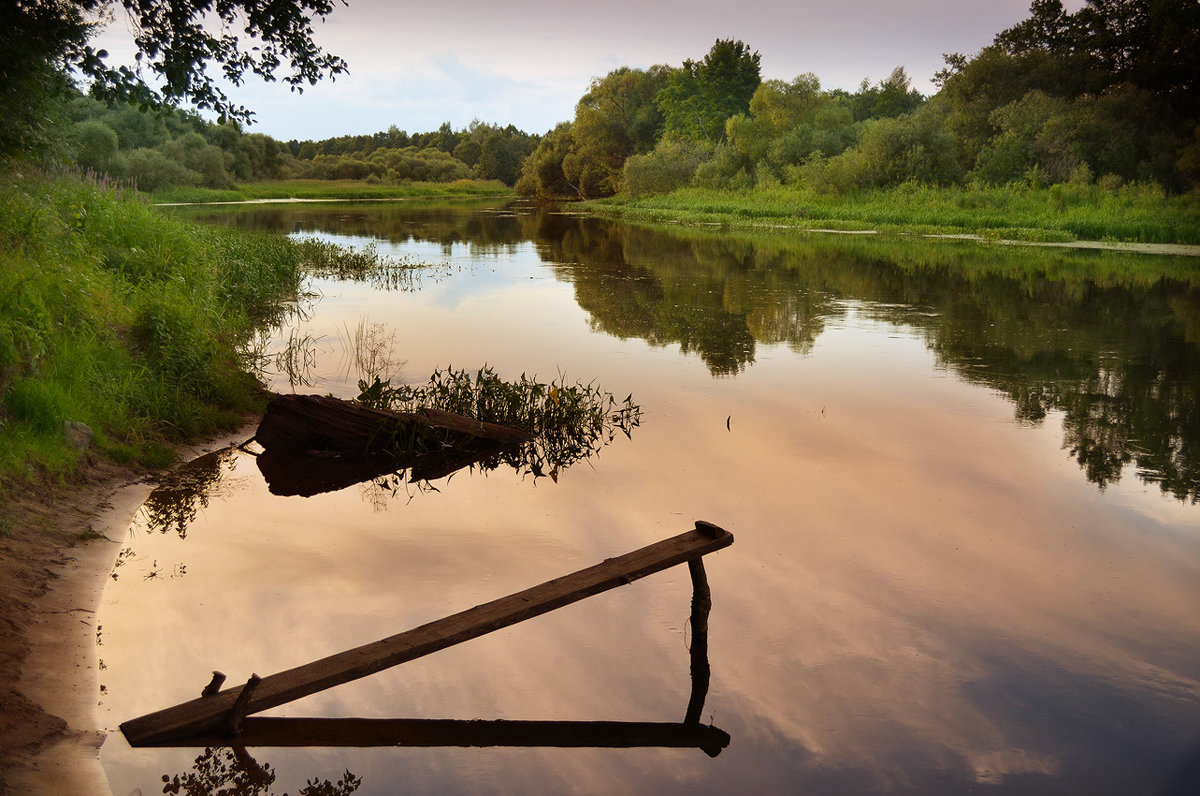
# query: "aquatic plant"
{"type": "Point", "coordinates": [569, 422]}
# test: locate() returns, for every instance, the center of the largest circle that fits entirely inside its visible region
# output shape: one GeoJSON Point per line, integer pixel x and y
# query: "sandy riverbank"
{"type": "Point", "coordinates": [54, 564]}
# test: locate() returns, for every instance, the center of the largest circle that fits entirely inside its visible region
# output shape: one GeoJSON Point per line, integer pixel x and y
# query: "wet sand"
{"type": "Point", "coordinates": [52, 584]}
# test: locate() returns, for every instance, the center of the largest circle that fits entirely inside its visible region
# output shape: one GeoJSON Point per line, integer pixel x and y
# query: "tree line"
{"type": "Point", "coordinates": [1109, 93]}
{"type": "Point", "coordinates": [168, 148]}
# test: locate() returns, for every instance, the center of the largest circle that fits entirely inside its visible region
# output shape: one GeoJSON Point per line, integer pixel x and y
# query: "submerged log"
{"type": "Point", "coordinates": [323, 423]}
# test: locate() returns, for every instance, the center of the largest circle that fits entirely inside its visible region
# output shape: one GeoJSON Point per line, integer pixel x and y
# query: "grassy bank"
{"type": "Point", "coordinates": [332, 189]}
{"type": "Point", "coordinates": [119, 317]}
{"type": "Point", "coordinates": [1132, 213]}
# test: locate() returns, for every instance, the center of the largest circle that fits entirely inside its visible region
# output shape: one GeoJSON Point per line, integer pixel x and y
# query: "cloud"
{"type": "Point", "coordinates": [527, 62]}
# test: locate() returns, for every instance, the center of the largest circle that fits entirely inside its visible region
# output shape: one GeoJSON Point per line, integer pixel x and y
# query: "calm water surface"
{"type": "Point", "coordinates": [962, 480]}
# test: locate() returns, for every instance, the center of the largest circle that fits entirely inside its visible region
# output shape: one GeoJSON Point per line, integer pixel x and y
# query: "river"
{"type": "Point", "coordinates": [963, 483]}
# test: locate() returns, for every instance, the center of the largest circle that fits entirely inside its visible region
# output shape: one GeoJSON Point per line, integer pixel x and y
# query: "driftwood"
{"type": "Point", "coordinates": [305, 423]}
{"type": "Point", "coordinates": [212, 713]}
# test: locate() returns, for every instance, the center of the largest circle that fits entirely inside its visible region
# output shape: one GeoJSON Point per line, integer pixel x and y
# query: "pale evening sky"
{"type": "Point", "coordinates": [527, 62]}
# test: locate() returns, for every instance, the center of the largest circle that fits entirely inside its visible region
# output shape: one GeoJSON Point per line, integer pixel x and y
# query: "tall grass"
{"type": "Point", "coordinates": [1063, 212]}
{"type": "Point", "coordinates": [120, 317]}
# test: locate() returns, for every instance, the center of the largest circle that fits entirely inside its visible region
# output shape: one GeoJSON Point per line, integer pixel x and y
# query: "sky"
{"type": "Point", "coordinates": [527, 62]}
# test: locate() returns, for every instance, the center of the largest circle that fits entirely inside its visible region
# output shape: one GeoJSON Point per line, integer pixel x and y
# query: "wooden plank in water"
{"type": "Point", "coordinates": [209, 714]}
{"type": "Point", "coordinates": [298, 732]}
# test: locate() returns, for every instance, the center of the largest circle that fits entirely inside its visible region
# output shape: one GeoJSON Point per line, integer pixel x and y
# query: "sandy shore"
{"type": "Point", "coordinates": [51, 583]}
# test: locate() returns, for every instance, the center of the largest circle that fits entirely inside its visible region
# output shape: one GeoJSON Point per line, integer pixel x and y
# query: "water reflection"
{"type": "Point", "coordinates": [934, 597]}
{"type": "Point", "coordinates": [386, 476]}
{"type": "Point", "coordinates": [231, 771]}
{"type": "Point", "coordinates": [226, 767]}
{"type": "Point", "coordinates": [444, 223]}
{"type": "Point", "coordinates": [1076, 334]}
{"type": "Point", "coordinates": [185, 491]}
{"type": "Point", "coordinates": [1119, 360]}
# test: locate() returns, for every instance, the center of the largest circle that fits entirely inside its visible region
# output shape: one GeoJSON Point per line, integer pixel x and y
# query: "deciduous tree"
{"type": "Point", "coordinates": [701, 96]}
{"type": "Point", "coordinates": [45, 40]}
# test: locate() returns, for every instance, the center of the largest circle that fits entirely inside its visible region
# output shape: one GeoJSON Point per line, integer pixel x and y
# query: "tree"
{"type": "Point", "coordinates": [496, 160]}
{"type": "Point", "coordinates": [33, 38]}
{"type": "Point", "coordinates": [95, 147]}
{"type": "Point", "coordinates": [887, 99]}
{"type": "Point", "coordinates": [1152, 44]}
{"type": "Point", "coordinates": [44, 40]}
{"type": "Point", "coordinates": [615, 119]}
{"type": "Point", "coordinates": [701, 96]}
{"type": "Point", "coordinates": [542, 175]}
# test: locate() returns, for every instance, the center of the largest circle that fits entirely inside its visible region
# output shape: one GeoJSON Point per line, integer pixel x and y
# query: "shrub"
{"type": "Point", "coordinates": [671, 165]}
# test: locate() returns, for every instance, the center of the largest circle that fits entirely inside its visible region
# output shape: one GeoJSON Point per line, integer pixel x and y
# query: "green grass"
{"type": "Point", "coordinates": [1132, 213]}
{"type": "Point", "coordinates": [331, 189]}
{"type": "Point", "coordinates": [116, 315]}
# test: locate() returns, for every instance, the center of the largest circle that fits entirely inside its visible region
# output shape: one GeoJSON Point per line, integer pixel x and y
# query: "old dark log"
{"type": "Point", "coordinates": [323, 423]}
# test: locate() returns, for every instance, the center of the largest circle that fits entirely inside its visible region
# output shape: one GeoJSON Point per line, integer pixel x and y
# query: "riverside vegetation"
{"type": "Point", "coordinates": [120, 318]}
{"type": "Point", "coordinates": [117, 316]}
{"type": "Point", "coordinates": [1068, 126]}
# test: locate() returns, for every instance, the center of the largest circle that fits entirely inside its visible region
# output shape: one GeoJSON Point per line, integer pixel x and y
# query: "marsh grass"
{"type": "Point", "coordinates": [367, 265]}
{"type": "Point", "coordinates": [570, 423]}
{"type": "Point", "coordinates": [1064, 212]}
{"type": "Point", "coordinates": [369, 351]}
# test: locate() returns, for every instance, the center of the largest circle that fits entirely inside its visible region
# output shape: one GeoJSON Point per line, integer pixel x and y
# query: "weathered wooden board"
{"type": "Point", "coordinates": [294, 732]}
{"type": "Point", "coordinates": [210, 714]}
{"type": "Point", "coordinates": [324, 423]}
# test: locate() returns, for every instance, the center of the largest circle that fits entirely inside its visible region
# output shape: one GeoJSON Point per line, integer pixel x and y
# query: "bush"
{"type": "Point", "coordinates": [671, 165]}
{"type": "Point", "coordinates": [725, 169]}
{"type": "Point", "coordinates": [96, 149]}
{"type": "Point", "coordinates": [151, 170]}
{"type": "Point", "coordinates": [915, 148]}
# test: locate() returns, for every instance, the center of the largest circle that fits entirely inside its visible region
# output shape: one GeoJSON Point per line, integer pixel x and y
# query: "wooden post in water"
{"type": "Point", "coordinates": [701, 672]}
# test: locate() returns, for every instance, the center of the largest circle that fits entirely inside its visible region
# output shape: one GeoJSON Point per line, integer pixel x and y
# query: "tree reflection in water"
{"type": "Point", "coordinates": [1081, 333]}
{"type": "Point", "coordinates": [1110, 340]}
{"type": "Point", "coordinates": [185, 491]}
{"type": "Point", "coordinates": [233, 772]}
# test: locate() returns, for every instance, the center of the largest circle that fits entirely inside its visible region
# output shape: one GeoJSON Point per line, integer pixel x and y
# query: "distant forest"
{"type": "Point", "coordinates": [1108, 95]}
{"type": "Point", "coordinates": [158, 150]}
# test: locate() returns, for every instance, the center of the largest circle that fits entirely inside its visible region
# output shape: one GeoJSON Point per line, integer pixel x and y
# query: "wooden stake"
{"type": "Point", "coordinates": [233, 720]}
{"type": "Point", "coordinates": [214, 685]}
{"type": "Point", "coordinates": [701, 672]}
